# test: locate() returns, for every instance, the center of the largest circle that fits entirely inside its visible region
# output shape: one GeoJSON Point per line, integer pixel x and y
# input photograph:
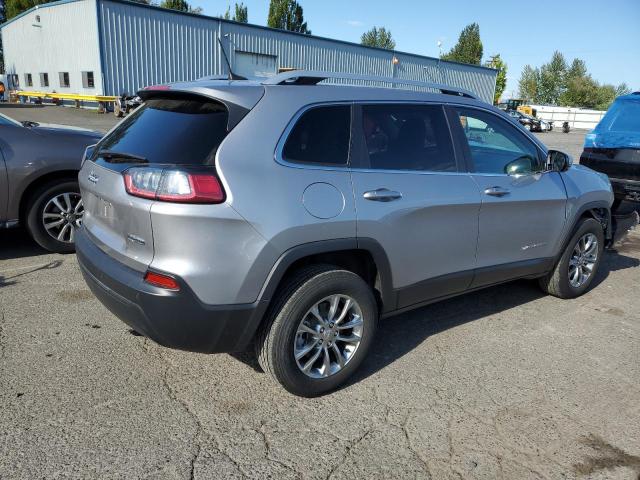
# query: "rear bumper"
{"type": "Point", "coordinates": [175, 319]}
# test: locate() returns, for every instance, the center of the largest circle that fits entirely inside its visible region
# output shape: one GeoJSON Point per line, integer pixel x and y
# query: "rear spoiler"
{"type": "Point", "coordinates": [238, 99]}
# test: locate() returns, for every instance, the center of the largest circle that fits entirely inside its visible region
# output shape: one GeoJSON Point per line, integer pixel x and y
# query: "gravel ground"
{"type": "Point", "coordinates": [501, 383]}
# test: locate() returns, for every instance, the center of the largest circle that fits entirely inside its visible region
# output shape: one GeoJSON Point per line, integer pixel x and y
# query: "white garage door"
{"type": "Point", "coordinates": [254, 64]}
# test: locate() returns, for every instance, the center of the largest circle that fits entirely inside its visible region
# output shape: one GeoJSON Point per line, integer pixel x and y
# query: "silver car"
{"type": "Point", "coordinates": [291, 215]}
{"type": "Point", "coordinates": [39, 165]}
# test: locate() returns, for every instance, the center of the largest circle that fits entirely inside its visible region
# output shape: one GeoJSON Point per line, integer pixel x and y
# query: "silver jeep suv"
{"type": "Point", "coordinates": [292, 215]}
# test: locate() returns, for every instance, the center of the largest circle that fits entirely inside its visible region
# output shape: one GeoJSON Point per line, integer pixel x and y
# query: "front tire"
{"type": "Point", "coordinates": [578, 265]}
{"type": "Point", "coordinates": [54, 213]}
{"type": "Point", "coordinates": [318, 330]}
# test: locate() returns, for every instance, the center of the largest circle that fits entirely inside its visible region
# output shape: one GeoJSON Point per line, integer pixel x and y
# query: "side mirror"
{"type": "Point", "coordinates": [520, 166]}
{"type": "Point", "coordinates": [558, 161]}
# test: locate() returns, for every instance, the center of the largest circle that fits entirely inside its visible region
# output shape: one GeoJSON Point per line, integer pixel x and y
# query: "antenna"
{"type": "Point", "coordinates": [232, 76]}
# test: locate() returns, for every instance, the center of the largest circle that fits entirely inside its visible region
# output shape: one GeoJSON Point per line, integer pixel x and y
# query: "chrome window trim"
{"type": "Point", "coordinates": [347, 167]}
{"type": "Point", "coordinates": [311, 166]}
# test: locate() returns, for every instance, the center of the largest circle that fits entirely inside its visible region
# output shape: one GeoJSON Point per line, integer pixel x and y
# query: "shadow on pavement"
{"type": "Point", "coordinates": [20, 105]}
{"type": "Point", "coordinates": [399, 335]}
{"type": "Point", "coordinates": [16, 243]}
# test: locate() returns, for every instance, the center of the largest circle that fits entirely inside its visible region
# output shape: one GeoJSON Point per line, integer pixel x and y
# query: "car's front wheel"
{"type": "Point", "coordinates": [575, 270]}
{"type": "Point", "coordinates": [318, 330]}
{"type": "Point", "coordinates": [53, 215]}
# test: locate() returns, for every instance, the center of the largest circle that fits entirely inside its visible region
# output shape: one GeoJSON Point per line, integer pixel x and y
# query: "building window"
{"type": "Point", "coordinates": [28, 80]}
{"type": "Point", "coordinates": [44, 79]}
{"type": "Point", "coordinates": [13, 80]}
{"type": "Point", "coordinates": [64, 79]}
{"type": "Point", "coordinates": [87, 80]}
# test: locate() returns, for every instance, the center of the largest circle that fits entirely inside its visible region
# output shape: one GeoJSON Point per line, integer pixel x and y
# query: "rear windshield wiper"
{"type": "Point", "coordinates": [121, 157]}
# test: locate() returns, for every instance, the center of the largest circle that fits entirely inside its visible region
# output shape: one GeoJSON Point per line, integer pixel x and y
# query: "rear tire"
{"type": "Point", "coordinates": [280, 342]}
{"type": "Point", "coordinates": [43, 199]}
{"type": "Point", "coordinates": [563, 282]}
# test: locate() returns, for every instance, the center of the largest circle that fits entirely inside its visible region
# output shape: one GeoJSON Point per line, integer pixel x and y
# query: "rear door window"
{"type": "Point", "coordinates": [320, 136]}
{"type": "Point", "coordinates": [173, 131]}
{"type": "Point", "coordinates": [407, 137]}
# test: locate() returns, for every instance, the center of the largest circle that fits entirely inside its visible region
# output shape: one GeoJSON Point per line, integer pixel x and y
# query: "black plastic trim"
{"type": "Point", "coordinates": [486, 276]}
{"type": "Point", "coordinates": [437, 287]}
{"type": "Point", "coordinates": [176, 319]}
{"type": "Point", "coordinates": [600, 204]}
{"type": "Point", "coordinates": [451, 285]}
{"type": "Point", "coordinates": [299, 252]}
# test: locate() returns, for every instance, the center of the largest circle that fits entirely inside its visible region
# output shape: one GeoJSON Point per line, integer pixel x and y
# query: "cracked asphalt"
{"type": "Point", "coordinates": [501, 383]}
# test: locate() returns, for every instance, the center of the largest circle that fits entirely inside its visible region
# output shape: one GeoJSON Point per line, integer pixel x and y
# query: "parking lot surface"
{"type": "Point", "coordinates": [501, 383]}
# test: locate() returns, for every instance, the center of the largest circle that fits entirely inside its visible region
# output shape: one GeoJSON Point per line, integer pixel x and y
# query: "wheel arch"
{"type": "Point", "coordinates": [39, 182]}
{"type": "Point", "coordinates": [599, 210]}
{"type": "Point", "coordinates": [363, 256]}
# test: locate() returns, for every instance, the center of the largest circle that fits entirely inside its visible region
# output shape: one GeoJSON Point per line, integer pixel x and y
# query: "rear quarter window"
{"type": "Point", "coordinates": [174, 131]}
{"type": "Point", "coordinates": [320, 136]}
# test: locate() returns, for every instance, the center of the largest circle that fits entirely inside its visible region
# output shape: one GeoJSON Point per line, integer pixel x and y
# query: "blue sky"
{"type": "Point", "coordinates": [604, 34]}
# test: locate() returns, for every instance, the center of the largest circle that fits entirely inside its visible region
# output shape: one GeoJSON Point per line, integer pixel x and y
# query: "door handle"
{"type": "Point", "coordinates": [382, 195]}
{"type": "Point", "coordinates": [496, 191]}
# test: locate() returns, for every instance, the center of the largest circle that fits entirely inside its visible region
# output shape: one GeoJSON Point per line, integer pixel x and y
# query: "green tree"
{"type": "Point", "coordinates": [378, 37]}
{"type": "Point", "coordinates": [180, 5]}
{"type": "Point", "coordinates": [577, 69]}
{"type": "Point", "coordinates": [16, 7]}
{"type": "Point", "coordinates": [553, 79]}
{"type": "Point", "coordinates": [501, 79]}
{"type": "Point", "coordinates": [469, 46]}
{"type": "Point", "coordinates": [622, 89]}
{"type": "Point", "coordinates": [528, 83]}
{"type": "Point", "coordinates": [581, 91]}
{"type": "Point", "coordinates": [287, 15]}
{"type": "Point", "coordinates": [241, 13]}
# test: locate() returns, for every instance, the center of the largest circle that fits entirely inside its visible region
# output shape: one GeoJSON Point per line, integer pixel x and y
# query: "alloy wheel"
{"type": "Point", "coordinates": [62, 215]}
{"type": "Point", "coordinates": [583, 260]}
{"type": "Point", "coordinates": [328, 336]}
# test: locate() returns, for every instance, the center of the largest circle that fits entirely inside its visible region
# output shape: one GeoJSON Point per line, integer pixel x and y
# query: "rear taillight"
{"type": "Point", "coordinates": [174, 185]}
{"type": "Point", "coordinates": [162, 281]}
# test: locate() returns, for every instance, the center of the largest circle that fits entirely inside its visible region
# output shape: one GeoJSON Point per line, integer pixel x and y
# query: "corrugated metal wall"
{"type": "Point", "coordinates": [51, 39]}
{"type": "Point", "coordinates": [143, 46]}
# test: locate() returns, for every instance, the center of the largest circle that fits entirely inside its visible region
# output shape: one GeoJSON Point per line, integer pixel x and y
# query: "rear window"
{"type": "Point", "coordinates": [320, 136]}
{"type": "Point", "coordinates": [171, 131]}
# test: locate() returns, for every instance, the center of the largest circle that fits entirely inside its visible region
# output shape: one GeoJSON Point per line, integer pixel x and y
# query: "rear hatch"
{"type": "Point", "coordinates": [170, 132]}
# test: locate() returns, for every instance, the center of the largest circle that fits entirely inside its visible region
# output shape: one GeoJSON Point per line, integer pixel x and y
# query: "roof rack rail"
{"type": "Point", "coordinates": [309, 77]}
